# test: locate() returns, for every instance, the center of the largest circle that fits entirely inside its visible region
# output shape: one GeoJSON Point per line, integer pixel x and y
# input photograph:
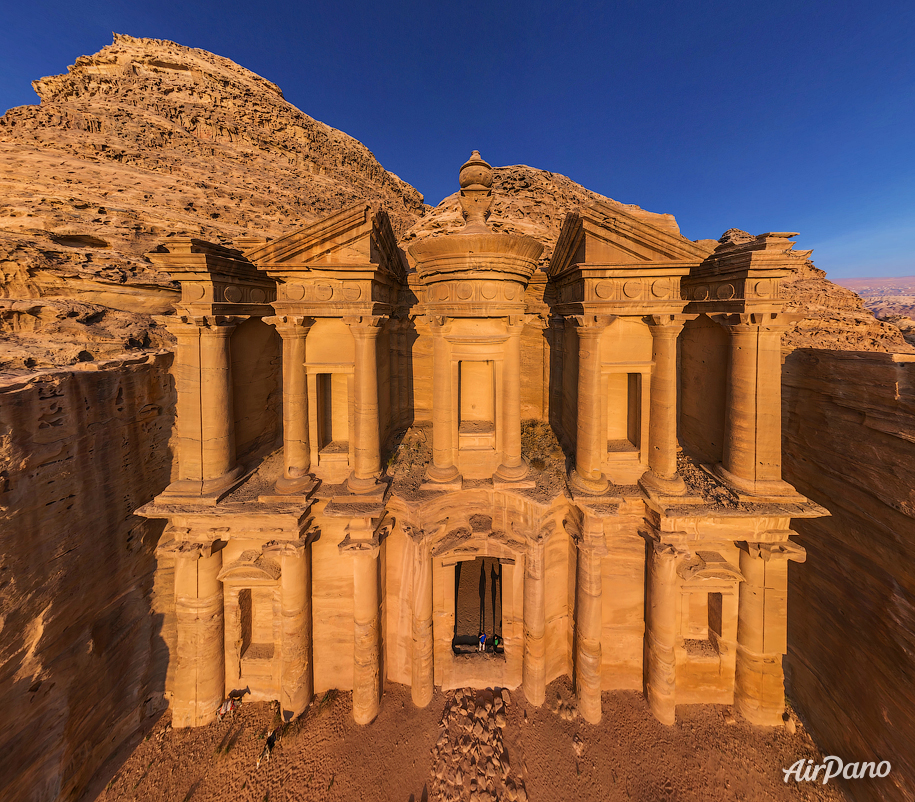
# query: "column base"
{"type": "Point", "coordinates": [514, 473]}
{"type": "Point", "coordinates": [771, 490]}
{"type": "Point", "coordinates": [448, 475]}
{"type": "Point", "coordinates": [294, 487]}
{"type": "Point", "coordinates": [361, 486]}
{"type": "Point", "coordinates": [661, 486]}
{"type": "Point", "coordinates": [593, 487]}
{"type": "Point", "coordinates": [759, 687]}
{"type": "Point", "coordinates": [208, 492]}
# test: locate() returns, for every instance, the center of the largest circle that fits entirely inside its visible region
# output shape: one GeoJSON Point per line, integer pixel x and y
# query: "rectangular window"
{"type": "Point", "coordinates": [477, 398]}
{"type": "Point", "coordinates": [623, 399]}
{"type": "Point", "coordinates": [333, 412]}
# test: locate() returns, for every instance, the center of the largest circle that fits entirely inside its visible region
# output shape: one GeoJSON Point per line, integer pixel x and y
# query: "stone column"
{"type": "Point", "coordinates": [739, 456]}
{"type": "Point", "coordinates": [367, 459]}
{"type": "Point", "coordinates": [422, 680]}
{"type": "Point", "coordinates": [557, 366]}
{"type": "Point", "coordinates": [442, 468]}
{"type": "Point", "coordinates": [762, 620]}
{"type": "Point", "coordinates": [588, 622]}
{"type": "Point", "coordinates": [296, 448]}
{"type": "Point", "coordinates": [662, 476]}
{"type": "Point", "coordinates": [661, 631]}
{"type": "Point", "coordinates": [406, 372]}
{"type": "Point", "coordinates": [751, 459]}
{"type": "Point", "coordinates": [534, 666]}
{"type": "Point", "coordinates": [187, 421]}
{"type": "Point", "coordinates": [590, 440]}
{"type": "Point", "coordinates": [297, 647]}
{"type": "Point", "coordinates": [367, 633]}
{"type": "Point", "coordinates": [513, 466]}
{"type": "Point", "coordinates": [217, 415]}
{"type": "Point", "coordinates": [199, 686]}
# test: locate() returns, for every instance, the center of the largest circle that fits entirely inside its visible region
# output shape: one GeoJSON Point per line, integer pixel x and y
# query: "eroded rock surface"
{"type": "Point", "coordinates": [143, 140]}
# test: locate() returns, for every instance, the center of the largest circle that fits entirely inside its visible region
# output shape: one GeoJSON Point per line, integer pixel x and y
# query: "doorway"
{"type": "Point", "coordinates": [478, 606]}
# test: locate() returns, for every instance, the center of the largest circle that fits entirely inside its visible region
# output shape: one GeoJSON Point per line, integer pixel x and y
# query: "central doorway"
{"type": "Point", "coordinates": [478, 606]}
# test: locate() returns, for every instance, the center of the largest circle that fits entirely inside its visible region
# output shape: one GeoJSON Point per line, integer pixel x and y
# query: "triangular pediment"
{"type": "Point", "coordinates": [358, 236]}
{"type": "Point", "coordinates": [609, 235]}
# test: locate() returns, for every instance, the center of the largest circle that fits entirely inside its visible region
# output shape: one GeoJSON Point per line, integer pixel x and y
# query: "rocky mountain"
{"type": "Point", "coordinates": [148, 139]}
{"type": "Point", "coordinates": [143, 140]}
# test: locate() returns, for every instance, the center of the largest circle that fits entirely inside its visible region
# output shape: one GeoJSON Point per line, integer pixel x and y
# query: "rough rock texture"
{"type": "Point", "coordinates": [835, 317]}
{"type": "Point", "coordinates": [143, 140]}
{"type": "Point", "coordinates": [849, 443]}
{"type": "Point", "coordinates": [83, 653]}
{"type": "Point", "coordinates": [890, 299]}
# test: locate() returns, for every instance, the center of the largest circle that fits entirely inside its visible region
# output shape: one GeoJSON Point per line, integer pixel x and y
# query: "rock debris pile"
{"type": "Point", "coordinates": [470, 760]}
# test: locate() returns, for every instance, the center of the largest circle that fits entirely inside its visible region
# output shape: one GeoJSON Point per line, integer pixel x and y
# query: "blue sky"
{"type": "Point", "coordinates": [765, 116]}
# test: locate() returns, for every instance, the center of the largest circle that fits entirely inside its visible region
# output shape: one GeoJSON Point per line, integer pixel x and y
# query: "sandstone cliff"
{"type": "Point", "coordinates": [143, 140]}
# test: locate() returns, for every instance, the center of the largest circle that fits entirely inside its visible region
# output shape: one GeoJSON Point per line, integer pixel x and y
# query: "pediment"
{"type": "Point", "coordinates": [359, 236]}
{"type": "Point", "coordinates": [608, 235]}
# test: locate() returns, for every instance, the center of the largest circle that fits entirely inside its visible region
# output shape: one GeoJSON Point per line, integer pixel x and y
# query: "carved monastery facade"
{"type": "Point", "coordinates": [301, 562]}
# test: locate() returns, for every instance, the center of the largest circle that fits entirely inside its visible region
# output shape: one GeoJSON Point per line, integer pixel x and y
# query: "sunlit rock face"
{"type": "Point", "coordinates": [143, 139]}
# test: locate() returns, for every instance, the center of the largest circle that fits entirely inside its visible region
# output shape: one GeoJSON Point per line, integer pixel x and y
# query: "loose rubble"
{"type": "Point", "coordinates": [470, 760]}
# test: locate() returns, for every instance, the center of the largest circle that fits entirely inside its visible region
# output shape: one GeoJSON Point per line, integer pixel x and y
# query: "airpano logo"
{"type": "Point", "coordinates": [832, 766]}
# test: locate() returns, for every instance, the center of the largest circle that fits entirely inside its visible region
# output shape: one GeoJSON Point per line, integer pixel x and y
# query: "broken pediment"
{"type": "Point", "coordinates": [607, 235]}
{"type": "Point", "coordinates": [359, 236]}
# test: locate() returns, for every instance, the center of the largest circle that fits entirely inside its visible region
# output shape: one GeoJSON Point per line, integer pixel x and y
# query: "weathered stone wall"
{"type": "Point", "coordinates": [849, 444]}
{"type": "Point", "coordinates": [83, 652]}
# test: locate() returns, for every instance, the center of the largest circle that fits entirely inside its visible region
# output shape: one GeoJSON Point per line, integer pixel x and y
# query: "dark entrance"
{"type": "Point", "coordinates": [478, 606]}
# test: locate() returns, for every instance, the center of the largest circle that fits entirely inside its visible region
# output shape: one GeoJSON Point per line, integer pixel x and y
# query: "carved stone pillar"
{"type": "Point", "coordinates": [513, 466]}
{"type": "Point", "coordinates": [762, 619]}
{"type": "Point", "coordinates": [534, 666]}
{"type": "Point", "coordinates": [297, 645]}
{"type": "Point", "coordinates": [590, 440]}
{"type": "Point", "coordinates": [662, 476]}
{"type": "Point", "coordinates": [422, 680]}
{"type": "Point", "coordinates": [367, 459]}
{"type": "Point", "coordinates": [217, 415]}
{"type": "Point", "coordinates": [199, 686]}
{"type": "Point", "coordinates": [442, 468]}
{"type": "Point", "coordinates": [296, 448]}
{"type": "Point", "coordinates": [661, 631]}
{"type": "Point", "coordinates": [751, 460]}
{"type": "Point", "coordinates": [364, 547]}
{"type": "Point", "coordinates": [557, 366]}
{"type": "Point", "coordinates": [588, 623]}
{"type": "Point", "coordinates": [405, 414]}
{"type": "Point", "coordinates": [188, 419]}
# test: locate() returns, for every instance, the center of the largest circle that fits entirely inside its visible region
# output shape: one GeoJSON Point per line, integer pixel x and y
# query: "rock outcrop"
{"type": "Point", "coordinates": [143, 140]}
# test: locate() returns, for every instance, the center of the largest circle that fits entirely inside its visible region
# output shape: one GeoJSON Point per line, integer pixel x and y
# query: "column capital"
{"type": "Point", "coordinates": [365, 325]}
{"type": "Point", "coordinates": [752, 322]}
{"type": "Point", "coordinates": [667, 325]}
{"type": "Point", "coordinates": [590, 325]}
{"type": "Point", "coordinates": [189, 550]}
{"type": "Point", "coordinates": [784, 550]}
{"type": "Point", "coordinates": [290, 325]}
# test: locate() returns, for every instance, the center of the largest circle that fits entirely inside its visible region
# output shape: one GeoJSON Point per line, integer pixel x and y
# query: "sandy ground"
{"type": "Point", "coordinates": [708, 755]}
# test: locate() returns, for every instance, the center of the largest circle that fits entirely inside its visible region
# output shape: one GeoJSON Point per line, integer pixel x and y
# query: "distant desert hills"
{"type": "Point", "coordinates": [148, 139]}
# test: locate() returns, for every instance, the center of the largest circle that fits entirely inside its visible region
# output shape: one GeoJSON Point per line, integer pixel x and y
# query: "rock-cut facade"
{"type": "Point", "coordinates": [357, 420]}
